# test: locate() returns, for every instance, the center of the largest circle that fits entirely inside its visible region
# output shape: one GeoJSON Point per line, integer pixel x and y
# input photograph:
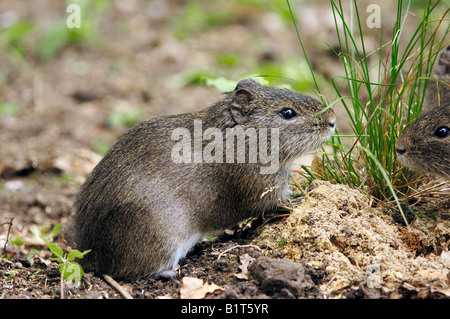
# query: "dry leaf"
{"type": "Point", "coordinates": [245, 261]}
{"type": "Point", "coordinates": [80, 162]}
{"type": "Point", "coordinates": [317, 166]}
{"type": "Point", "coordinates": [194, 288]}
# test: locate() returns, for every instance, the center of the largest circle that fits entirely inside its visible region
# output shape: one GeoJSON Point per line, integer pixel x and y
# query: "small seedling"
{"type": "Point", "coordinates": [59, 34]}
{"type": "Point", "coordinates": [17, 241]}
{"type": "Point", "coordinates": [282, 243]}
{"type": "Point", "coordinates": [69, 269]}
{"type": "Point", "coordinates": [127, 118]}
{"type": "Point", "coordinates": [30, 256]}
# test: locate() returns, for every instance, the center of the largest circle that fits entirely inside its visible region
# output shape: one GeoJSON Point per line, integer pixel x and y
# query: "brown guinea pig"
{"type": "Point", "coordinates": [425, 145]}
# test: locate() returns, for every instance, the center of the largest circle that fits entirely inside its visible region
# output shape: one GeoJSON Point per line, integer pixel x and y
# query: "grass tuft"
{"type": "Point", "coordinates": [382, 91]}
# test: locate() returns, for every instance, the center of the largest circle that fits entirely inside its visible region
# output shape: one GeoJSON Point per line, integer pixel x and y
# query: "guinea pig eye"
{"type": "Point", "coordinates": [442, 132]}
{"type": "Point", "coordinates": [288, 113]}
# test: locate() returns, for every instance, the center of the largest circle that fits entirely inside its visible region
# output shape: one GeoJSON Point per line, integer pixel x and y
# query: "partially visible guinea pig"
{"type": "Point", "coordinates": [438, 92]}
{"type": "Point", "coordinates": [425, 145]}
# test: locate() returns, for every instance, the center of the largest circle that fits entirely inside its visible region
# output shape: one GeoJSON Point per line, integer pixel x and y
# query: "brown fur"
{"type": "Point", "coordinates": [438, 89]}
{"type": "Point", "coordinates": [423, 148]}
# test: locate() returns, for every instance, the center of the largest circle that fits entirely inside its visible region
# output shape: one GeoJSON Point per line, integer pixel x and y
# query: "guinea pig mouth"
{"type": "Point", "coordinates": [409, 159]}
{"type": "Point", "coordinates": [406, 161]}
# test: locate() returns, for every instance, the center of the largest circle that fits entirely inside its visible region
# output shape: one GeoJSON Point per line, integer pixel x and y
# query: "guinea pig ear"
{"type": "Point", "coordinates": [444, 59]}
{"type": "Point", "coordinates": [241, 104]}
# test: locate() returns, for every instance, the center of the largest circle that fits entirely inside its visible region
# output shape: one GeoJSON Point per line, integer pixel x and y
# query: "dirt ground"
{"type": "Point", "coordinates": [64, 111]}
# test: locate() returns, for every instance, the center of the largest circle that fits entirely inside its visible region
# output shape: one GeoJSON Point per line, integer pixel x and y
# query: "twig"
{"type": "Point", "coordinates": [237, 246]}
{"type": "Point", "coordinates": [62, 281]}
{"type": "Point", "coordinates": [7, 235]}
{"type": "Point", "coordinates": [116, 286]}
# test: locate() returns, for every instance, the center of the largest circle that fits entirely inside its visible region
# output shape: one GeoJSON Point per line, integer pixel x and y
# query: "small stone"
{"type": "Point", "coordinates": [407, 214]}
{"type": "Point", "coordinates": [281, 275]}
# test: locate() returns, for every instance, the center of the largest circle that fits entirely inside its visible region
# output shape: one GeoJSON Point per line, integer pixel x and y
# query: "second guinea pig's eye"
{"type": "Point", "coordinates": [288, 113]}
{"type": "Point", "coordinates": [442, 132]}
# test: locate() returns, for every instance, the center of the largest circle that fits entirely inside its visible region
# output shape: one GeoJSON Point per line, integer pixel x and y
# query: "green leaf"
{"type": "Point", "coordinates": [228, 60]}
{"type": "Point", "coordinates": [30, 256]}
{"type": "Point", "coordinates": [10, 109]}
{"type": "Point", "coordinates": [55, 249]}
{"type": "Point", "coordinates": [55, 230]}
{"type": "Point", "coordinates": [126, 118]}
{"type": "Point", "coordinates": [221, 84]}
{"type": "Point", "coordinates": [53, 40]}
{"type": "Point", "coordinates": [43, 230]}
{"type": "Point", "coordinates": [72, 272]}
{"type": "Point", "coordinates": [17, 241]}
{"type": "Point", "coordinates": [76, 254]}
{"type": "Point", "coordinates": [12, 38]}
